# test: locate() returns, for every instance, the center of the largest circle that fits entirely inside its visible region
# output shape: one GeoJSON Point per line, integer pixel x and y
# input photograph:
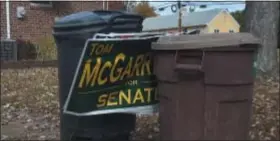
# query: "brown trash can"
{"type": "Point", "coordinates": [205, 85]}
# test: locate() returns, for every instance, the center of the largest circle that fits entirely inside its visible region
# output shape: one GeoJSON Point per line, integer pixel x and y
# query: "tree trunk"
{"type": "Point", "coordinates": [262, 19]}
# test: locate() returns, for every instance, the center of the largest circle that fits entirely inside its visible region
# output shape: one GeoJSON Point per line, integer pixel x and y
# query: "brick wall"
{"type": "Point", "coordinates": [3, 24]}
{"type": "Point", "coordinates": [38, 21]}
{"type": "Point", "coordinates": [115, 5]}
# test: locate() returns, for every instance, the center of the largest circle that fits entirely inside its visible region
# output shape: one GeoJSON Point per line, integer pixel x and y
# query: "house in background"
{"type": "Point", "coordinates": [211, 21]}
{"type": "Point", "coordinates": [31, 20]}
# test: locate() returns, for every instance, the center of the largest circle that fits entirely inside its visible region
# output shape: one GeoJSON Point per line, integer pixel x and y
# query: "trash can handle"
{"type": "Point", "coordinates": [108, 12]}
{"type": "Point", "coordinates": [189, 67]}
{"type": "Point", "coordinates": [113, 19]}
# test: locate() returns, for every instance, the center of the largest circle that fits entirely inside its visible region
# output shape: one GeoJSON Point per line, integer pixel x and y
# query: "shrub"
{"type": "Point", "coordinates": [26, 50]}
{"type": "Point", "coordinates": [46, 49]}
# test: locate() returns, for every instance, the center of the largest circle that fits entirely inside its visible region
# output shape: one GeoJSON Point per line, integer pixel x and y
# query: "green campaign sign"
{"type": "Point", "coordinates": [113, 76]}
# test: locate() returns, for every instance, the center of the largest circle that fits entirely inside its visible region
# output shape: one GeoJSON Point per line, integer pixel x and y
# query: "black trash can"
{"type": "Point", "coordinates": [70, 33]}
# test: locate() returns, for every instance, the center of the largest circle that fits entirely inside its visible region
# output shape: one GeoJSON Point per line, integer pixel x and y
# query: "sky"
{"type": "Point", "coordinates": [239, 5]}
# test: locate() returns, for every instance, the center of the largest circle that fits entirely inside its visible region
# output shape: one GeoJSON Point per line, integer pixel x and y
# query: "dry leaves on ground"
{"type": "Point", "coordinates": [29, 108]}
{"type": "Point", "coordinates": [29, 100]}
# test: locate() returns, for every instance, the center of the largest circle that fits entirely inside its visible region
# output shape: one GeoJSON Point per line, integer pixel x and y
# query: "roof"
{"type": "Point", "coordinates": [188, 19]}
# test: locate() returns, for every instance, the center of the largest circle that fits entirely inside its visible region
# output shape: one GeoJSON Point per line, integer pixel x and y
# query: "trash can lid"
{"type": "Point", "coordinates": [84, 18]}
{"type": "Point", "coordinates": [200, 41]}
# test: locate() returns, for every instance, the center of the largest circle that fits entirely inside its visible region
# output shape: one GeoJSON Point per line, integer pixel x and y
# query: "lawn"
{"type": "Point", "coordinates": [29, 107]}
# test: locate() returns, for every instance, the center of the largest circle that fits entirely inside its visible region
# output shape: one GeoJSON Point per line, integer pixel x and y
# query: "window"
{"type": "Point", "coordinates": [185, 30]}
{"type": "Point", "coordinates": [41, 3]}
{"type": "Point", "coordinates": [161, 9]}
{"type": "Point", "coordinates": [231, 31]}
{"type": "Point", "coordinates": [216, 30]}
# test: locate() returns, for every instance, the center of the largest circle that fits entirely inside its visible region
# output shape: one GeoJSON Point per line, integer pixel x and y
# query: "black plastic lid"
{"type": "Point", "coordinates": [99, 20]}
{"type": "Point", "coordinates": [85, 18]}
